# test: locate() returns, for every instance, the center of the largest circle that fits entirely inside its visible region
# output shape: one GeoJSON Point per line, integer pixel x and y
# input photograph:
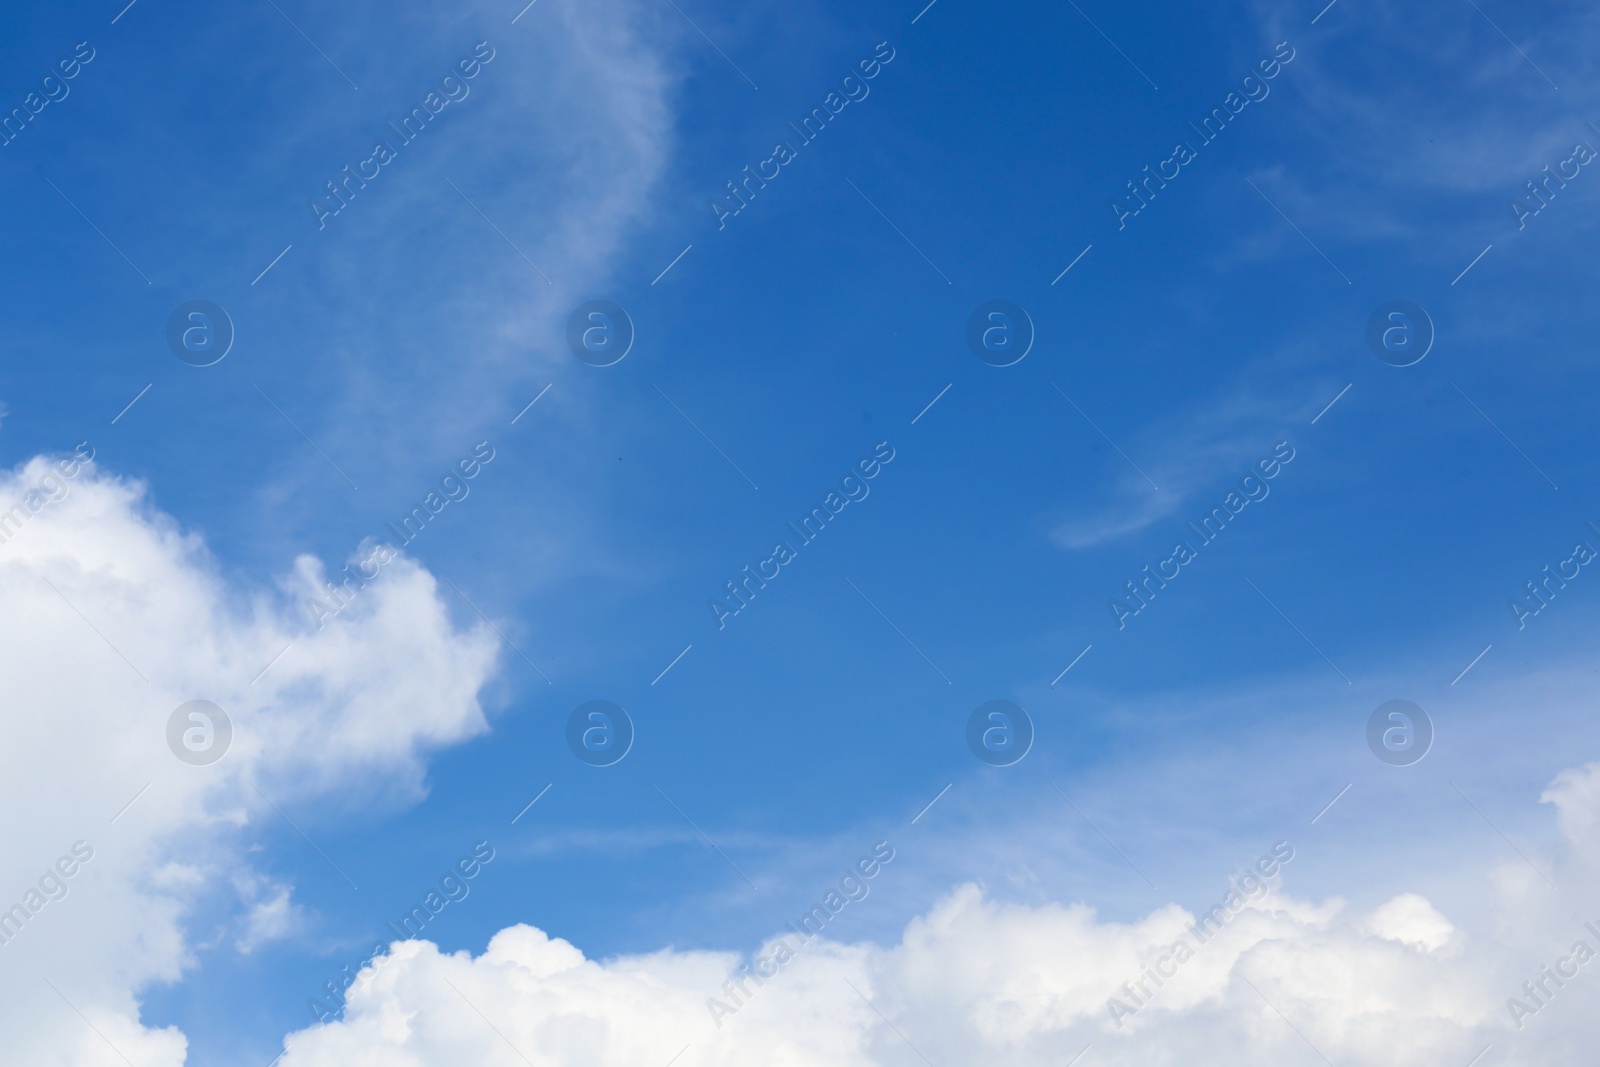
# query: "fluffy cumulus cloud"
{"type": "Point", "coordinates": [1270, 978]}
{"type": "Point", "coordinates": [1576, 796]}
{"type": "Point", "coordinates": [116, 616]}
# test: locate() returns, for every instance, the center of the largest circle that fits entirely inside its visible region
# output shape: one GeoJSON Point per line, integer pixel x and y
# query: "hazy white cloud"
{"type": "Point", "coordinates": [1213, 447]}
{"type": "Point", "coordinates": [272, 914]}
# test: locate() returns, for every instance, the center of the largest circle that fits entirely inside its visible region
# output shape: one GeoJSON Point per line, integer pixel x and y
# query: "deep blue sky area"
{"type": "Point", "coordinates": [826, 319]}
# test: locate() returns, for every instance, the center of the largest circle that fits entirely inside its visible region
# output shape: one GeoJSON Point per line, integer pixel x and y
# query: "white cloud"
{"type": "Point", "coordinates": [1411, 920]}
{"type": "Point", "coordinates": [272, 914]}
{"type": "Point", "coordinates": [115, 616]}
{"type": "Point", "coordinates": [1576, 796]}
{"type": "Point", "coordinates": [976, 980]}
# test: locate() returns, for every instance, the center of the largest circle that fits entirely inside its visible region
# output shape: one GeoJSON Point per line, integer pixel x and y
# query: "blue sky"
{"type": "Point", "coordinates": [776, 351]}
